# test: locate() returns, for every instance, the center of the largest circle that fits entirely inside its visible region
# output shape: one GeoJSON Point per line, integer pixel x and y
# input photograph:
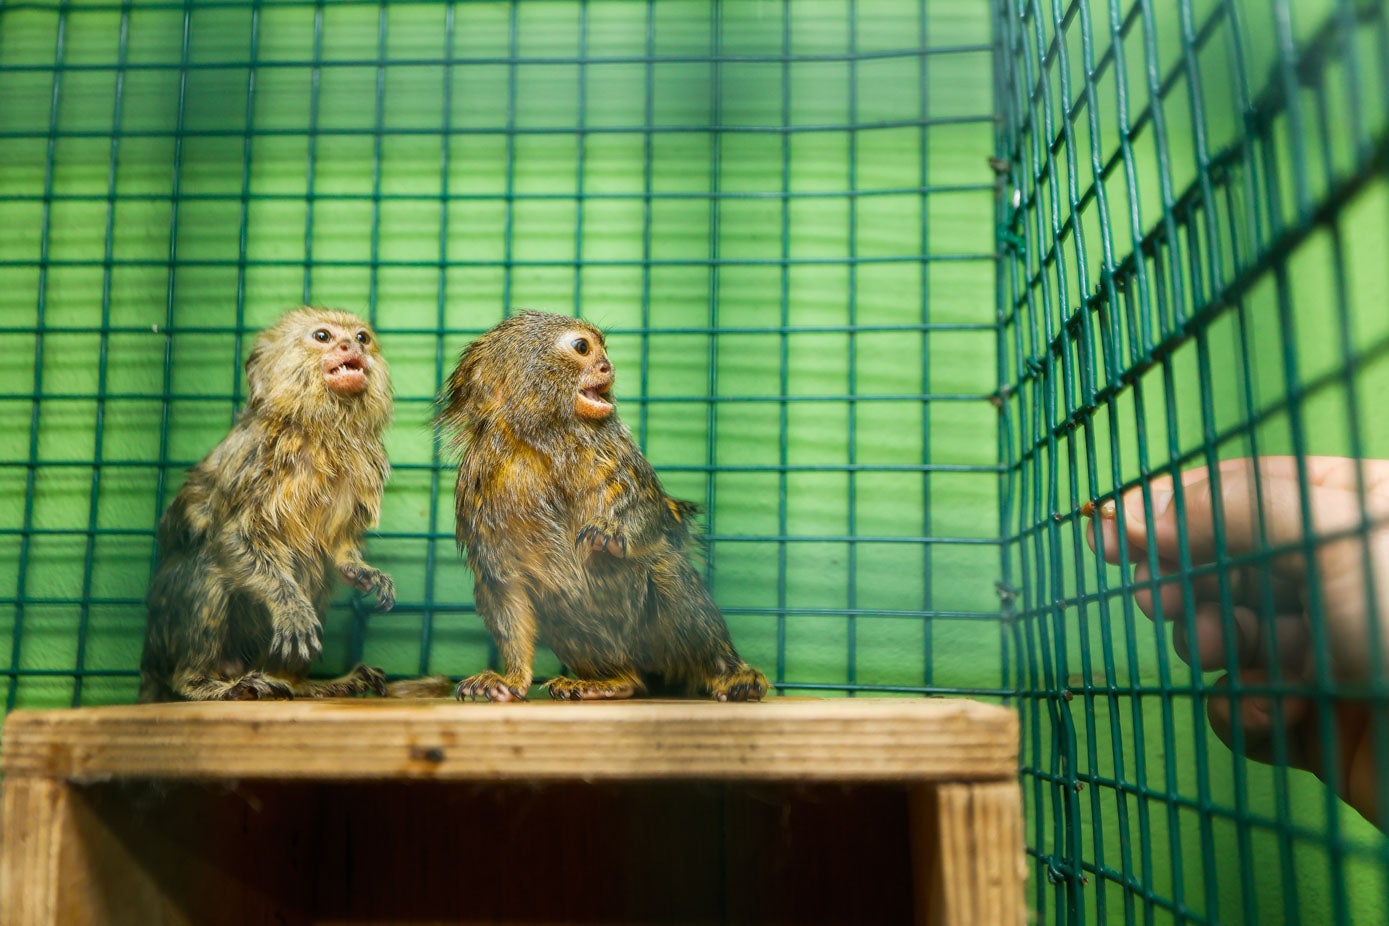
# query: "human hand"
{"type": "Point", "coordinates": [1274, 598]}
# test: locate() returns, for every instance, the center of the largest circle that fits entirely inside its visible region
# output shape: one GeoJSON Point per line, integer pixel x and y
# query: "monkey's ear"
{"type": "Point", "coordinates": [254, 364]}
{"type": "Point", "coordinates": [457, 400]}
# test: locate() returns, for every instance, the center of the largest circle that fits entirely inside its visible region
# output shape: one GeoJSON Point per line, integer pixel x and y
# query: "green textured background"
{"type": "Point", "coordinates": [785, 216]}
{"type": "Point", "coordinates": [433, 214]}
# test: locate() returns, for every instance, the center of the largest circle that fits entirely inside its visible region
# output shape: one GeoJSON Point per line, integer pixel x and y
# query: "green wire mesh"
{"type": "Point", "coordinates": [781, 213]}
{"type": "Point", "coordinates": [890, 368]}
{"type": "Point", "coordinates": [1192, 222]}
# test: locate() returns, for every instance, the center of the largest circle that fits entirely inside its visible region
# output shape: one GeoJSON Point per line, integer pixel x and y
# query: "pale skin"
{"type": "Point", "coordinates": [1279, 627]}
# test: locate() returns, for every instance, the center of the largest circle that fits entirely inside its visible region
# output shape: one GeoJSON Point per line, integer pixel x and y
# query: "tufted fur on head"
{"type": "Point", "coordinates": [290, 373]}
{"type": "Point", "coordinates": [526, 373]}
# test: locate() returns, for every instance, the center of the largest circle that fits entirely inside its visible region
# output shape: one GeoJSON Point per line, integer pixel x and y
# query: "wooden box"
{"type": "Point", "coordinates": [434, 812]}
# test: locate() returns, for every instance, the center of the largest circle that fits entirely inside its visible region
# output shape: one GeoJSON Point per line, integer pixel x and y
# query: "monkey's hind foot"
{"type": "Point", "coordinates": [493, 687]}
{"type": "Point", "coordinates": [581, 689]}
{"type": "Point", "coordinates": [253, 686]}
{"type": "Point", "coordinates": [743, 683]}
{"type": "Point", "coordinates": [363, 679]}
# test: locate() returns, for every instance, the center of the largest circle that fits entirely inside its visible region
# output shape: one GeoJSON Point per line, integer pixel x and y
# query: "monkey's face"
{"type": "Point", "coordinates": [536, 371]}
{"type": "Point", "coordinates": [583, 349]}
{"type": "Point", "coordinates": [342, 356]}
{"type": "Point", "coordinates": [320, 362]}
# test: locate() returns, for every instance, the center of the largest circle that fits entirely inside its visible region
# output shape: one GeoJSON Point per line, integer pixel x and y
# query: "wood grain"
{"type": "Point", "coordinates": [855, 740]}
{"type": "Point", "coordinates": [377, 813]}
{"type": "Point", "coordinates": [967, 842]}
{"type": "Point", "coordinates": [34, 822]}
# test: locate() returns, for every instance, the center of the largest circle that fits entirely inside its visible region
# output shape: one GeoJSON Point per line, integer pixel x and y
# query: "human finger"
{"type": "Point", "coordinates": [1256, 723]}
{"type": "Point", "coordinates": [1206, 639]}
{"type": "Point", "coordinates": [1251, 509]}
{"type": "Point", "coordinates": [1103, 530]}
{"type": "Point", "coordinates": [1260, 590]}
{"type": "Point", "coordinates": [1260, 722]}
{"type": "Point", "coordinates": [1326, 471]}
{"type": "Point", "coordinates": [1251, 489]}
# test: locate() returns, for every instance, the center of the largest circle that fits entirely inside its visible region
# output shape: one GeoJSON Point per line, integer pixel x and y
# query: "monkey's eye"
{"type": "Point", "coordinates": [363, 338]}
{"type": "Point", "coordinates": [580, 346]}
{"type": "Point", "coordinates": [322, 335]}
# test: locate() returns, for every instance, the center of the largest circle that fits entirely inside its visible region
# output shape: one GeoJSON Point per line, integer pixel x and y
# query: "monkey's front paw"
{"type": "Point", "coordinates": [742, 684]}
{"type": "Point", "coordinates": [491, 686]}
{"type": "Point", "coordinates": [368, 579]}
{"type": "Point", "coordinates": [602, 536]}
{"type": "Point", "coordinates": [297, 641]}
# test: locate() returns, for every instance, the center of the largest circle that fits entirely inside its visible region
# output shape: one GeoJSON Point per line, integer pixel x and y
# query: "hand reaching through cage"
{"type": "Point", "coordinates": [1297, 592]}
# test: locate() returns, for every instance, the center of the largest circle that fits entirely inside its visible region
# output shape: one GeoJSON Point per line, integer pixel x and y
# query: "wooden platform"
{"type": "Point", "coordinates": [363, 811]}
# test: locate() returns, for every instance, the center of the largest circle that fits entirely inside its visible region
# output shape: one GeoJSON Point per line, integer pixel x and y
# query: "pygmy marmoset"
{"type": "Point", "coordinates": [568, 532]}
{"type": "Point", "coordinates": [251, 547]}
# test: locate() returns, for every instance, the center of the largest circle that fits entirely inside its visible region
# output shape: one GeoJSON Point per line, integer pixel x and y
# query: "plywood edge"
{"type": "Point", "coordinates": [968, 845]}
{"type": "Point", "coordinates": [855, 740]}
{"type": "Point", "coordinates": [33, 823]}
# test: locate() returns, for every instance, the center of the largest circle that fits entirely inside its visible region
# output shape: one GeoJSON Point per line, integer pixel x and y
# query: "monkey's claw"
{"type": "Point", "coordinates": [298, 642]}
{"type": "Point", "coordinates": [603, 538]}
{"type": "Point", "coordinates": [364, 678]}
{"type": "Point", "coordinates": [368, 579]}
{"type": "Point", "coordinates": [491, 686]}
{"type": "Point", "coordinates": [742, 684]}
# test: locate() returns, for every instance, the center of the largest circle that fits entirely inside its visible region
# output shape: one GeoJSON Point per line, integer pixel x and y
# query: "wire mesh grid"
{"type": "Point", "coordinates": [743, 195]}
{"type": "Point", "coordinates": [1193, 230]}
{"type": "Point", "coordinates": [891, 373]}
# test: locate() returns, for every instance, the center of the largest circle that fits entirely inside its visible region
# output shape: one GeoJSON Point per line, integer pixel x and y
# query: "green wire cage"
{"type": "Point", "coordinates": [894, 289]}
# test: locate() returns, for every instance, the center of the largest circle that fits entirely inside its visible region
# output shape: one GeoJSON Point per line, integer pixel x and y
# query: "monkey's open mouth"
{"type": "Point", "coordinates": [595, 401]}
{"type": "Point", "coordinates": [348, 377]}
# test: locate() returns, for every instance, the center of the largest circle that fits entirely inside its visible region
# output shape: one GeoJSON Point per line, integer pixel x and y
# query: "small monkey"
{"type": "Point", "coordinates": [568, 532]}
{"type": "Point", "coordinates": [250, 548]}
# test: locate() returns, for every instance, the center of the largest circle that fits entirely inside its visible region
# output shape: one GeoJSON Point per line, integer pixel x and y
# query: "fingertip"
{"type": "Point", "coordinates": [1139, 506]}
{"type": "Point", "coordinates": [1102, 534]}
{"type": "Point", "coordinates": [1154, 520]}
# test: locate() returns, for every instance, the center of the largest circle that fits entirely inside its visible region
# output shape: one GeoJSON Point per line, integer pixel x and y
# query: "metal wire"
{"type": "Point", "coordinates": [406, 161]}
{"type": "Point", "coordinates": [781, 216]}
{"type": "Point", "coordinates": [1167, 172]}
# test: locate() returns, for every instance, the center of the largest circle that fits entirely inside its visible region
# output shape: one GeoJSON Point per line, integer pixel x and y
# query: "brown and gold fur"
{"type": "Point", "coordinates": [568, 532]}
{"type": "Point", "coordinates": [251, 547]}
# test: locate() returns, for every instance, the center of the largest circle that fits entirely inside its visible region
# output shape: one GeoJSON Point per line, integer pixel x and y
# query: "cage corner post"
{"type": "Point", "coordinates": [35, 830]}
{"type": "Point", "coordinates": [55, 860]}
{"type": "Point", "coordinates": [967, 851]}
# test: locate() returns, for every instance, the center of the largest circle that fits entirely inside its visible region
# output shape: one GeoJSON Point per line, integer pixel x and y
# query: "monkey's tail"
{"type": "Point", "coordinates": [431, 686]}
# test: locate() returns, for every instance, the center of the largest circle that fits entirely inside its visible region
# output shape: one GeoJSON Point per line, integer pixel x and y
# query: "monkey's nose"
{"type": "Point", "coordinates": [603, 366]}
